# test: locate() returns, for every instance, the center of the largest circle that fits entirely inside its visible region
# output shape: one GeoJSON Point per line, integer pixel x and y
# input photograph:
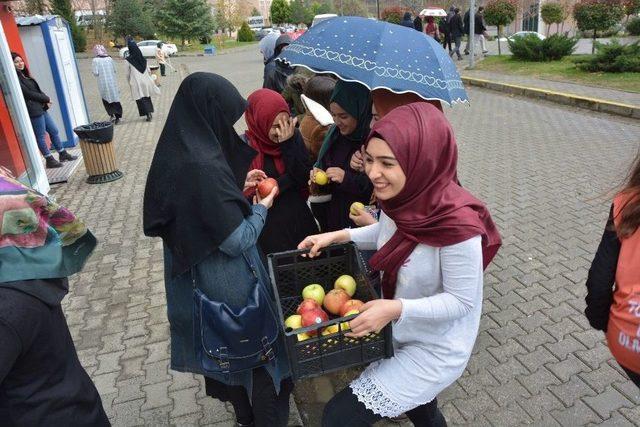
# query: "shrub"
{"type": "Point", "coordinates": [393, 14]}
{"type": "Point", "coordinates": [633, 27]}
{"type": "Point", "coordinates": [613, 58]}
{"type": "Point", "coordinates": [500, 13]}
{"type": "Point", "coordinates": [245, 34]}
{"type": "Point", "coordinates": [531, 48]}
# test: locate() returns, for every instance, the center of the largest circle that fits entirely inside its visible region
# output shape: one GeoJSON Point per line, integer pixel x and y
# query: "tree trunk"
{"type": "Point", "coordinates": [593, 45]}
{"type": "Point", "coordinates": [499, 50]}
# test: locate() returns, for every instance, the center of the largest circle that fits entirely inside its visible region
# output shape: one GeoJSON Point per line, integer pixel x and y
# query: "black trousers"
{"type": "Point", "coordinates": [264, 409]}
{"type": "Point", "coordinates": [633, 376]}
{"type": "Point", "coordinates": [447, 41]}
{"type": "Point", "coordinates": [162, 69]}
{"type": "Point", "coordinates": [145, 106]}
{"type": "Point", "coordinates": [114, 109]}
{"type": "Point", "coordinates": [344, 410]}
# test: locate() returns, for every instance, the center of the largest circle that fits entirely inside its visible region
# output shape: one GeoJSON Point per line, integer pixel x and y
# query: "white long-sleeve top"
{"type": "Point", "coordinates": [441, 294]}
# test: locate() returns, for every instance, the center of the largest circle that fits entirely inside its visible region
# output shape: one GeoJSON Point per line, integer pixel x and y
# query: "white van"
{"type": "Point", "coordinates": [319, 18]}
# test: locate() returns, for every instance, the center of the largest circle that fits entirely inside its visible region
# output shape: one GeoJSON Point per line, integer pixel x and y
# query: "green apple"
{"type": "Point", "coordinates": [347, 283]}
{"type": "Point", "coordinates": [314, 292]}
{"type": "Point", "coordinates": [293, 322]}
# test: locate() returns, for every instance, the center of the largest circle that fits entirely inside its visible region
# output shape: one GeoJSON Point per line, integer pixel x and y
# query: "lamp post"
{"type": "Point", "coordinates": [378, 8]}
{"type": "Point", "coordinates": [472, 31]}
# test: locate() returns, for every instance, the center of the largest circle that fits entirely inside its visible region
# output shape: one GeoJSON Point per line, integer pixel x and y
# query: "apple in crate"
{"type": "Point", "coordinates": [345, 325]}
{"type": "Point", "coordinates": [293, 321]}
{"type": "Point", "coordinates": [315, 292]}
{"type": "Point", "coordinates": [313, 317]}
{"type": "Point", "coordinates": [347, 283]}
{"type": "Point", "coordinates": [306, 305]}
{"type": "Point", "coordinates": [352, 304]}
{"type": "Point", "coordinates": [331, 329]}
{"type": "Point", "coordinates": [334, 300]}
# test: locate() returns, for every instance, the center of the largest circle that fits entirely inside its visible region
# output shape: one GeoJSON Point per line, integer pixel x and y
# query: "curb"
{"type": "Point", "coordinates": [594, 104]}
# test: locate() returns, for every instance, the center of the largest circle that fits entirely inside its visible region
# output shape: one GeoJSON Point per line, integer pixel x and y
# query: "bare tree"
{"type": "Point", "coordinates": [414, 5]}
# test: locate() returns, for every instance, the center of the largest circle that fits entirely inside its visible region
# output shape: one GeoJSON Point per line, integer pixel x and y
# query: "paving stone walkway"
{"type": "Point", "coordinates": [544, 171]}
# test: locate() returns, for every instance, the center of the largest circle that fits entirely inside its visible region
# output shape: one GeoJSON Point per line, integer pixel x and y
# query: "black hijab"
{"type": "Point", "coordinates": [135, 56]}
{"type": "Point", "coordinates": [193, 199]}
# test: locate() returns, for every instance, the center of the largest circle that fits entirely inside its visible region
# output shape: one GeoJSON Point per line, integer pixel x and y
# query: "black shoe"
{"type": "Point", "coordinates": [116, 121]}
{"type": "Point", "coordinates": [466, 52]}
{"type": "Point", "coordinates": [485, 52]}
{"type": "Point", "coordinates": [460, 58]}
{"type": "Point", "coordinates": [149, 117]}
{"type": "Point", "coordinates": [65, 156]}
{"type": "Point", "coordinates": [52, 163]}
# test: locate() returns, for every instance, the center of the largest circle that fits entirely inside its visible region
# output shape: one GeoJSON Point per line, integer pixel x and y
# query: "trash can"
{"type": "Point", "coordinates": [155, 74]}
{"type": "Point", "coordinates": [209, 50]}
{"type": "Point", "coordinates": [96, 143]}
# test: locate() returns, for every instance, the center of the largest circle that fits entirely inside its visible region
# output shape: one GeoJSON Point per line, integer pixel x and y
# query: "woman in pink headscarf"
{"type": "Point", "coordinates": [433, 241]}
{"type": "Point", "coordinates": [105, 70]}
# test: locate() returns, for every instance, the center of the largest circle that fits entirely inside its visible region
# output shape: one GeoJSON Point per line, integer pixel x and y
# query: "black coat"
{"type": "Point", "coordinates": [275, 75]}
{"type": "Point", "coordinates": [479, 27]}
{"type": "Point", "coordinates": [35, 99]}
{"type": "Point", "coordinates": [456, 26]}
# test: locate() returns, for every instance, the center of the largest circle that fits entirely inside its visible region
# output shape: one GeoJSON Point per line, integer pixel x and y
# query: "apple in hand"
{"type": "Point", "coordinates": [313, 317]}
{"type": "Point", "coordinates": [306, 305]}
{"type": "Point", "coordinates": [355, 208]}
{"type": "Point", "coordinates": [352, 304]}
{"type": "Point", "coordinates": [315, 292]}
{"type": "Point", "coordinates": [320, 178]}
{"type": "Point", "coordinates": [347, 283]}
{"type": "Point", "coordinates": [334, 300]}
{"type": "Point", "coordinates": [265, 187]}
{"type": "Point", "coordinates": [293, 321]}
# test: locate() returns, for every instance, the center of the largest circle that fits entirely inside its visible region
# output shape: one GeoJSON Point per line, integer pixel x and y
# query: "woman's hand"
{"type": "Point", "coordinates": [253, 178]}
{"type": "Point", "coordinates": [286, 129]}
{"type": "Point", "coordinates": [363, 218]}
{"type": "Point", "coordinates": [319, 241]}
{"type": "Point", "coordinates": [312, 175]}
{"type": "Point", "coordinates": [267, 202]}
{"type": "Point", "coordinates": [335, 175]}
{"type": "Point", "coordinates": [373, 316]}
{"type": "Point", "coordinates": [357, 162]}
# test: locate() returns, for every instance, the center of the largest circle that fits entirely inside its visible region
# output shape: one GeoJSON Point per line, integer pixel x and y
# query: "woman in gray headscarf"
{"type": "Point", "coordinates": [268, 46]}
{"type": "Point", "coordinates": [104, 69]}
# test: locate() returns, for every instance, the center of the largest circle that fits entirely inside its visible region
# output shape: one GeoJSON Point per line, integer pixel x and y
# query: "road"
{"type": "Point", "coordinates": [546, 173]}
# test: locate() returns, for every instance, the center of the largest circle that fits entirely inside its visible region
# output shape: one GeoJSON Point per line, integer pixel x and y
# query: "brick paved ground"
{"type": "Point", "coordinates": [613, 95]}
{"type": "Point", "coordinates": [543, 170]}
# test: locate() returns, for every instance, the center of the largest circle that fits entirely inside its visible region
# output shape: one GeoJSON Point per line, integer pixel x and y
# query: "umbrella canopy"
{"type": "Point", "coordinates": [378, 55]}
{"type": "Point", "coordinates": [433, 11]}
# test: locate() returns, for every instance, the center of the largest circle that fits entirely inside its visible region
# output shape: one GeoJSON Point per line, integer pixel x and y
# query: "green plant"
{"type": "Point", "coordinates": [553, 13]}
{"type": "Point", "coordinates": [613, 57]}
{"type": "Point", "coordinates": [393, 14]}
{"type": "Point", "coordinates": [128, 18]}
{"type": "Point", "coordinates": [531, 48]}
{"type": "Point", "coordinates": [280, 12]}
{"type": "Point", "coordinates": [186, 19]}
{"type": "Point", "coordinates": [500, 13]}
{"type": "Point", "coordinates": [631, 7]}
{"type": "Point", "coordinates": [64, 9]}
{"type": "Point", "coordinates": [633, 27]}
{"type": "Point", "coordinates": [597, 15]}
{"type": "Point", "coordinates": [245, 34]}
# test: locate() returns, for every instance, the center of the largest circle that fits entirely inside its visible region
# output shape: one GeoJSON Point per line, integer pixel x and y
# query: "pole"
{"type": "Point", "coordinates": [472, 32]}
{"type": "Point", "coordinates": [378, 8]}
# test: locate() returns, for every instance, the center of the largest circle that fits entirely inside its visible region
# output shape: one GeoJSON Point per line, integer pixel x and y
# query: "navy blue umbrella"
{"type": "Point", "coordinates": [378, 55]}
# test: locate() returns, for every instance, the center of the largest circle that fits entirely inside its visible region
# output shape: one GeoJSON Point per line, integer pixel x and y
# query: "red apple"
{"type": "Point", "coordinates": [265, 187]}
{"type": "Point", "coordinates": [313, 317]}
{"type": "Point", "coordinates": [335, 299]}
{"type": "Point", "coordinates": [306, 305]}
{"type": "Point", "coordinates": [352, 304]}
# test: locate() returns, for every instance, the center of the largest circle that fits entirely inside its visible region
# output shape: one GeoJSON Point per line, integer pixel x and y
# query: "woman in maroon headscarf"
{"type": "Point", "coordinates": [281, 155]}
{"type": "Point", "coordinates": [433, 241]}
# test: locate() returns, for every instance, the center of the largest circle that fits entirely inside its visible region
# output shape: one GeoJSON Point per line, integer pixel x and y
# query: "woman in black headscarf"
{"type": "Point", "coordinates": [193, 200]}
{"type": "Point", "coordinates": [142, 87]}
{"type": "Point", "coordinates": [276, 72]}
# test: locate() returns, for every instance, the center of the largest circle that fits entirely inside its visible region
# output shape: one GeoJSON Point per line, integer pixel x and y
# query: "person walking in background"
{"type": "Point", "coordinates": [479, 30]}
{"type": "Point", "coordinates": [38, 104]}
{"type": "Point", "coordinates": [433, 241]}
{"type": "Point", "coordinates": [445, 29]}
{"type": "Point", "coordinates": [417, 23]}
{"type": "Point", "coordinates": [456, 28]}
{"type": "Point", "coordinates": [161, 57]}
{"type": "Point", "coordinates": [42, 382]}
{"type": "Point", "coordinates": [104, 69]}
{"type": "Point", "coordinates": [431, 29]}
{"type": "Point", "coordinates": [406, 20]}
{"type": "Point", "coordinates": [613, 282]}
{"type": "Point", "coordinates": [140, 82]}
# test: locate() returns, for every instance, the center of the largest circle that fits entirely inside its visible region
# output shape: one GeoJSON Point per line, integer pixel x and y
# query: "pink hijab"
{"type": "Point", "coordinates": [432, 208]}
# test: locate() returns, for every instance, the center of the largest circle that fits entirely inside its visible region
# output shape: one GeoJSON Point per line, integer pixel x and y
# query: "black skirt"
{"type": "Point", "coordinates": [113, 108]}
{"type": "Point", "coordinates": [145, 106]}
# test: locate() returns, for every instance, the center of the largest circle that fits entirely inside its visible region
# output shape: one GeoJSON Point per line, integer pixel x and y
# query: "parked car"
{"type": "Point", "coordinates": [148, 48]}
{"type": "Point", "coordinates": [262, 33]}
{"type": "Point", "coordinates": [319, 18]}
{"type": "Point", "coordinates": [522, 34]}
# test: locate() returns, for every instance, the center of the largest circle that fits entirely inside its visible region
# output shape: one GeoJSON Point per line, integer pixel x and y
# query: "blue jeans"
{"type": "Point", "coordinates": [42, 124]}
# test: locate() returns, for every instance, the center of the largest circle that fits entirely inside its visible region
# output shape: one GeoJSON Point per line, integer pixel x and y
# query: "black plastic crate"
{"type": "Point", "coordinates": [290, 273]}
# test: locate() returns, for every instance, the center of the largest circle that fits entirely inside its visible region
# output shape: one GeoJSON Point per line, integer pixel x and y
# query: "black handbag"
{"type": "Point", "coordinates": [226, 341]}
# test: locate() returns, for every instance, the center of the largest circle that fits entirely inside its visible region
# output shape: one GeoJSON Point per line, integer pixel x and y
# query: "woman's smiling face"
{"type": "Point", "coordinates": [383, 170]}
{"type": "Point", "coordinates": [344, 121]}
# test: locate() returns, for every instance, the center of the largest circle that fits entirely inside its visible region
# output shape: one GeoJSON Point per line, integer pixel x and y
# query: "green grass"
{"type": "Point", "coordinates": [563, 70]}
{"type": "Point", "coordinates": [220, 44]}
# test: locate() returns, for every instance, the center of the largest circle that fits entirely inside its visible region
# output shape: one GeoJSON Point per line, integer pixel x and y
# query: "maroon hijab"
{"type": "Point", "coordinates": [264, 106]}
{"type": "Point", "coordinates": [432, 208]}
